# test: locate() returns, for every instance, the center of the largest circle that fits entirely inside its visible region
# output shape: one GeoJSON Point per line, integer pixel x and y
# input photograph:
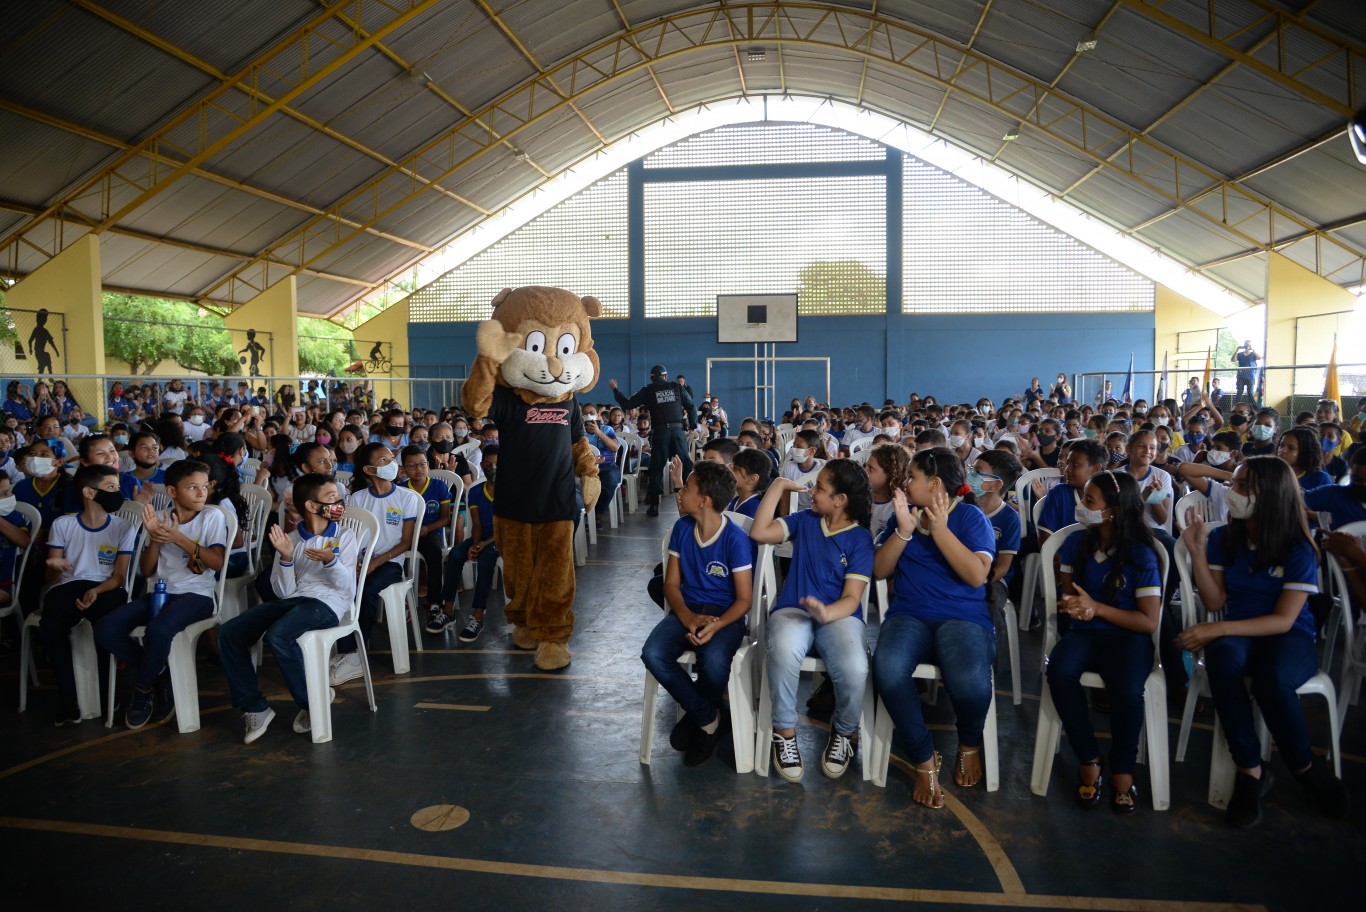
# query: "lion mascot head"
{"type": "Point", "coordinates": [538, 343]}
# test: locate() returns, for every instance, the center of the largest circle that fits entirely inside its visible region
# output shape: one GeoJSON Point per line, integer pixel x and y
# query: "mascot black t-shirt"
{"type": "Point", "coordinates": [535, 447]}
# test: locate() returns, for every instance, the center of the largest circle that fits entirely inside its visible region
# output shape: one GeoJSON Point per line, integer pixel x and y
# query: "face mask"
{"type": "Point", "coordinates": [1108, 415]}
{"type": "Point", "coordinates": [387, 472]}
{"type": "Point", "coordinates": [1048, 439]}
{"type": "Point", "coordinates": [1157, 497]}
{"type": "Point", "coordinates": [1217, 457]}
{"type": "Point", "coordinates": [422, 445]}
{"type": "Point", "coordinates": [347, 448]}
{"type": "Point", "coordinates": [395, 430]}
{"type": "Point", "coordinates": [39, 466]}
{"type": "Point", "coordinates": [121, 440]}
{"type": "Point", "coordinates": [1197, 438]}
{"type": "Point", "coordinates": [1361, 416]}
{"type": "Point", "coordinates": [108, 501]}
{"type": "Point", "coordinates": [1240, 506]}
{"type": "Point", "coordinates": [1088, 517]}
{"type": "Point", "coordinates": [7, 505]}
{"type": "Point", "coordinates": [1261, 432]}
{"type": "Point", "coordinates": [443, 446]}
{"type": "Point", "coordinates": [461, 433]}
{"type": "Point", "coordinates": [323, 439]}
{"type": "Point", "coordinates": [1330, 446]}
{"type": "Point", "coordinates": [956, 441]}
{"type": "Point", "coordinates": [196, 420]}
{"type": "Point", "coordinates": [975, 481]}
{"type": "Point", "coordinates": [1116, 458]}
{"type": "Point", "coordinates": [1091, 433]}
{"type": "Point", "coordinates": [1161, 422]}
{"type": "Point", "coordinates": [332, 511]}
{"type": "Point", "coordinates": [1238, 420]}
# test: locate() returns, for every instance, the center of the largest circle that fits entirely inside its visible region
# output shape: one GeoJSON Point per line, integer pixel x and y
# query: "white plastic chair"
{"type": "Point", "coordinates": [763, 721]}
{"type": "Point", "coordinates": [1033, 566]}
{"type": "Point", "coordinates": [399, 601]}
{"type": "Point", "coordinates": [740, 686]}
{"type": "Point", "coordinates": [1192, 612]}
{"type": "Point", "coordinates": [1198, 500]}
{"type": "Point", "coordinates": [466, 450]}
{"type": "Point", "coordinates": [883, 727]}
{"type": "Point", "coordinates": [1353, 669]}
{"type": "Point", "coordinates": [862, 454]}
{"type": "Point", "coordinates": [1341, 595]}
{"type": "Point", "coordinates": [630, 481]}
{"type": "Point", "coordinates": [84, 657]}
{"type": "Point", "coordinates": [785, 433]}
{"type": "Point", "coordinates": [457, 488]}
{"type": "Point", "coordinates": [14, 608]}
{"type": "Point", "coordinates": [1154, 692]}
{"type": "Point", "coordinates": [184, 674]}
{"type": "Point", "coordinates": [251, 467]}
{"type": "Point", "coordinates": [317, 644]}
{"type": "Point", "coordinates": [343, 478]}
{"type": "Point", "coordinates": [581, 540]}
{"type": "Point", "coordinates": [858, 446]}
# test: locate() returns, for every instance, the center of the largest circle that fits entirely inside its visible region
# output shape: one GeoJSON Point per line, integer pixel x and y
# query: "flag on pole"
{"type": "Point", "coordinates": [1128, 396]}
{"type": "Point", "coordinates": [1162, 382]}
{"type": "Point", "coordinates": [1330, 383]}
{"type": "Point", "coordinates": [1205, 383]}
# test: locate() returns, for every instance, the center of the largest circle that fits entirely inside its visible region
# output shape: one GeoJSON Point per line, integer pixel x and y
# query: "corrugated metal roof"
{"type": "Point", "coordinates": [37, 161]}
{"type": "Point", "coordinates": [954, 21]}
{"type": "Point", "coordinates": [1246, 276]}
{"type": "Point", "coordinates": [226, 35]}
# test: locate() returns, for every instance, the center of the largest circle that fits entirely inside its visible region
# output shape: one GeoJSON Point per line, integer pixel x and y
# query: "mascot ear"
{"type": "Point", "coordinates": [592, 306]}
{"type": "Point", "coordinates": [500, 297]}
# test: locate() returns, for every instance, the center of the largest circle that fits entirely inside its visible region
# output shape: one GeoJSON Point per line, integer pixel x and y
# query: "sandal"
{"type": "Point", "coordinates": [1125, 803]}
{"type": "Point", "coordinates": [961, 775]}
{"type": "Point", "coordinates": [1088, 796]}
{"type": "Point", "coordinates": [936, 790]}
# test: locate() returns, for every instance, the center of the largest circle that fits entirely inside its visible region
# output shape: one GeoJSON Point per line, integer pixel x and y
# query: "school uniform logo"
{"type": "Point", "coordinates": [107, 555]}
{"type": "Point", "coordinates": [393, 516]}
{"type": "Point", "coordinates": [718, 570]}
{"type": "Point", "coordinates": [844, 561]}
{"type": "Point", "coordinates": [1276, 572]}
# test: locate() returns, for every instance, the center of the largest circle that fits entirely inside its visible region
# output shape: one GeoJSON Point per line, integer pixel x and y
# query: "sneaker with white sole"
{"type": "Point", "coordinates": [437, 620]}
{"type": "Point", "coordinates": [256, 724]}
{"type": "Point", "coordinates": [787, 760]}
{"type": "Point", "coordinates": [472, 630]}
{"type": "Point", "coordinates": [839, 752]}
{"type": "Point", "coordinates": [302, 724]}
{"type": "Point", "coordinates": [345, 667]}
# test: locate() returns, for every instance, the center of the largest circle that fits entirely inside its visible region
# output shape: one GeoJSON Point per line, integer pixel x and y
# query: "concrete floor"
{"type": "Point", "coordinates": [562, 815]}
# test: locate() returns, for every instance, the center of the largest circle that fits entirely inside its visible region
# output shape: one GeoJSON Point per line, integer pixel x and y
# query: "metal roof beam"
{"type": "Point", "coordinates": [1349, 222]}
{"type": "Point", "coordinates": [215, 125]}
{"type": "Point", "coordinates": [1009, 92]}
{"type": "Point", "coordinates": [1339, 57]}
{"type": "Point", "coordinates": [958, 70]}
{"type": "Point", "coordinates": [626, 24]}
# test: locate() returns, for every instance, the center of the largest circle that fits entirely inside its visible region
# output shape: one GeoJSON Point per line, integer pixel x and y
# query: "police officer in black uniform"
{"type": "Point", "coordinates": [670, 407]}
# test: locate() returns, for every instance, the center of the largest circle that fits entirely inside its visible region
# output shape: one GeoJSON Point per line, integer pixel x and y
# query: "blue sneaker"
{"type": "Point", "coordinates": [139, 709]}
{"type": "Point", "coordinates": [164, 700]}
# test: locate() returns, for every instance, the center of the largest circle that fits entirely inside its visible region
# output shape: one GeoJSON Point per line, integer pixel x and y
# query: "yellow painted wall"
{"type": "Point", "coordinates": [1173, 314]}
{"type": "Point", "coordinates": [69, 284]}
{"type": "Point", "coordinates": [391, 328]}
{"type": "Point", "coordinates": [273, 314]}
{"type": "Point", "coordinates": [1293, 292]}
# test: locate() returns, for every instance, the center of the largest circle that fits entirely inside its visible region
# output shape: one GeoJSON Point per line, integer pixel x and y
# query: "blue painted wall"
{"type": "Point", "coordinates": [957, 357]}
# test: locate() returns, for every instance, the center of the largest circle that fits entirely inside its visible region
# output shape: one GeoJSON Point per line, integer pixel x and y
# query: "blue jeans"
{"type": "Point", "coordinates": [842, 645]}
{"type": "Point", "coordinates": [486, 561]}
{"type": "Point", "coordinates": [281, 622]}
{"type": "Point", "coordinates": [1278, 665]}
{"type": "Point", "coordinates": [609, 476]}
{"type": "Point", "coordinates": [113, 632]}
{"type": "Point", "coordinates": [669, 640]}
{"type": "Point", "coordinates": [376, 581]}
{"type": "Point", "coordinates": [964, 652]}
{"type": "Point", "coordinates": [1123, 660]}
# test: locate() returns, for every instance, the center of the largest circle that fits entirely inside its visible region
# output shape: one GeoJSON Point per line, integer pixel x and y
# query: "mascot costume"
{"type": "Point", "coordinates": [534, 355]}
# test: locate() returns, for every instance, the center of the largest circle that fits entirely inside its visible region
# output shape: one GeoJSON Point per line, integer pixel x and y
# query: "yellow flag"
{"type": "Point", "coordinates": [1330, 384]}
{"type": "Point", "coordinates": [1205, 385]}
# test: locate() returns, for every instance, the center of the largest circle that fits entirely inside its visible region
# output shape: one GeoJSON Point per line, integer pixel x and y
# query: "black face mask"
{"type": "Point", "coordinates": [143, 465]}
{"type": "Point", "coordinates": [108, 501]}
{"type": "Point", "coordinates": [1238, 420]}
{"type": "Point", "coordinates": [1047, 439]}
{"type": "Point", "coordinates": [443, 446]}
{"type": "Point", "coordinates": [395, 430]}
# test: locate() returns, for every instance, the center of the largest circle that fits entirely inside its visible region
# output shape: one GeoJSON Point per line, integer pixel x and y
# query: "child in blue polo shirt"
{"type": "Point", "coordinates": [1085, 459]}
{"type": "Point", "coordinates": [1344, 503]}
{"type": "Point", "coordinates": [479, 547]}
{"type": "Point", "coordinates": [752, 478]}
{"type": "Point", "coordinates": [14, 536]}
{"type": "Point", "coordinates": [818, 607]}
{"type": "Point", "coordinates": [1260, 570]}
{"type": "Point", "coordinates": [992, 477]}
{"type": "Point", "coordinates": [436, 496]}
{"type": "Point", "coordinates": [707, 587]}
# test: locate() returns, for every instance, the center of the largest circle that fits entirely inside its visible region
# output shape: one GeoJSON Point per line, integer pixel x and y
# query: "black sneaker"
{"type": "Point", "coordinates": [787, 760]}
{"type": "Point", "coordinates": [67, 715]}
{"type": "Point", "coordinates": [839, 752]}
{"type": "Point", "coordinates": [680, 739]}
{"type": "Point", "coordinates": [437, 620]}
{"type": "Point", "coordinates": [1245, 807]}
{"type": "Point", "coordinates": [164, 702]}
{"type": "Point", "coordinates": [702, 746]}
{"type": "Point", "coordinates": [472, 630]}
{"type": "Point", "coordinates": [1326, 790]}
{"type": "Point", "coordinates": [653, 510]}
{"type": "Point", "coordinates": [139, 709]}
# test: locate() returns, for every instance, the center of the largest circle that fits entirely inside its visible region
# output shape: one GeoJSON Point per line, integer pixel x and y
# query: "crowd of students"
{"type": "Point", "coordinates": [930, 508]}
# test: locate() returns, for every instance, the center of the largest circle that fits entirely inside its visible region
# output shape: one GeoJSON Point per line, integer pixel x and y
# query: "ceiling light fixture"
{"type": "Point", "coordinates": [520, 154]}
{"type": "Point", "coordinates": [1356, 130]}
{"type": "Point", "coordinates": [1087, 44]}
{"type": "Point", "coordinates": [1012, 134]}
{"type": "Point", "coordinates": [756, 54]}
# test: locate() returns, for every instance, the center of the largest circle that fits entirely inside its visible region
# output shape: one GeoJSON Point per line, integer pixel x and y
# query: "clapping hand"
{"type": "Point", "coordinates": [281, 543]}
{"type": "Point", "coordinates": [937, 512]}
{"type": "Point", "coordinates": [1080, 606]}
{"type": "Point", "coordinates": [321, 555]}
{"type": "Point", "coordinates": [676, 472]}
{"type": "Point", "coordinates": [906, 518]}
{"type": "Point", "coordinates": [819, 611]}
{"type": "Point", "coordinates": [1195, 533]}
{"type": "Point", "coordinates": [60, 564]}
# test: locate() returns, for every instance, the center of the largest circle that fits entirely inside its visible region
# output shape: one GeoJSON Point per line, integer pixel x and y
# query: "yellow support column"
{"type": "Point", "coordinates": [1173, 314]}
{"type": "Point", "coordinates": [265, 333]}
{"type": "Point", "coordinates": [69, 285]}
{"type": "Point", "coordinates": [1292, 293]}
{"type": "Point", "coordinates": [390, 330]}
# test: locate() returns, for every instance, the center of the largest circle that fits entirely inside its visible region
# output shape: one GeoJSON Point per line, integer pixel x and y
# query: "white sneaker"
{"type": "Point", "coordinates": [301, 722]}
{"type": "Point", "coordinates": [345, 667]}
{"type": "Point", "coordinates": [256, 724]}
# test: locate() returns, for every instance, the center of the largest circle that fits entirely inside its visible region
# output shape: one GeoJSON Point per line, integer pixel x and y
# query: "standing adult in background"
{"type": "Point", "coordinates": [1061, 392]}
{"type": "Point", "coordinates": [671, 413]}
{"type": "Point", "coordinates": [1247, 360]}
{"type": "Point", "coordinates": [687, 387]}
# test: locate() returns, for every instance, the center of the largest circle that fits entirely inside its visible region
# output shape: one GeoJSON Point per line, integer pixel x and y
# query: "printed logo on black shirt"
{"type": "Point", "coordinates": [542, 415]}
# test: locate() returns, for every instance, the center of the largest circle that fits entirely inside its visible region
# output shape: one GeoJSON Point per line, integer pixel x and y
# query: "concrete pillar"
{"type": "Point", "coordinates": [389, 328]}
{"type": "Point", "coordinates": [1292, 293]}
{"type": "Point", "coordinates": [272, 320]}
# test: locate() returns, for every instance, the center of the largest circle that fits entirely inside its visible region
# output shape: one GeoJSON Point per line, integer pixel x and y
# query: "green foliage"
{"type": "Point", "coordinates": [841, 287]}
{"type": "Point", "coordinates": [324, 346]}
{"type": "Point", "coordinates": [8, 334]}
{"type": "Point", "coordinates": [138, 330]}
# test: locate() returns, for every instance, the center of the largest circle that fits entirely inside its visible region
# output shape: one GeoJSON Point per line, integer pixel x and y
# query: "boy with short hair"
{"type": "Point", "coordinates": [315, 575]}
{"type": "Point", "coordinates": [805, 468]}
{"type": "Point", "coordinates": [186, 546]}
{"type": "Point", "coordinates": [719, 450]}
{"type": "Point", "coordinates": [479, 547]}
{"type": "Point", "coordinates": [87, 561]}
{"type": "Point", "coordinates": [707, 587]}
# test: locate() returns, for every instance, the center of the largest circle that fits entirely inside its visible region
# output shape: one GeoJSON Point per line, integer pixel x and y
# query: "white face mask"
{"type": "Point", "coordinates": [1240, 506]}
{"type": "Point", "coordinates": [7, 505]}
{"type": "Point", "coordinates": [1161, 422]}
{"type": "Point", "coordinates": [39, 466]}
{"type": "Point", "coordinates": [1262, 432]}
{"type": "Point", "coordinates": [956, 441]}
{"type": "Point", "coordinates": [196, 420]}
{"type": "Point", "coordinates": [1217, 457]}
{"type": "Point", "coordinates": [388, 472]}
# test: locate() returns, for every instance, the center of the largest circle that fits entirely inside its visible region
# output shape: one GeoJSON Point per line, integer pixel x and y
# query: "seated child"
{"type": "Point", "coordinates": [804, 467]}
{"type": "Point", "coordinates": [707, 585]}
{"type": "Point", "coordinates": [432, 527]}
{"type": "Point", "coordinates": [479, 547]}
{"type": "Point", "coordinates": [186, 547]}
{"type": "Point", "coordinates": [315, 576]}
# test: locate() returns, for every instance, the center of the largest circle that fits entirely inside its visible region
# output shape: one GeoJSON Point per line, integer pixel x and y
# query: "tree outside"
{"type": "Point", "coordinates": [841, 287]}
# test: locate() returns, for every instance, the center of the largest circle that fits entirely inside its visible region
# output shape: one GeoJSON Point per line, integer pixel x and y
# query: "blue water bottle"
{"type": "Point", "coordinates": [159, 597]}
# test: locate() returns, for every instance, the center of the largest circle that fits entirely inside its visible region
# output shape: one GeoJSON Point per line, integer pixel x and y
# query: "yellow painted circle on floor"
{"type": "Point", "coordinates": [440, 817]}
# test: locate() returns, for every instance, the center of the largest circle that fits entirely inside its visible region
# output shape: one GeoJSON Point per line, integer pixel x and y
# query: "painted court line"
{"type": "Point", "coordinates": [623, 878]}
{"type": "Point", "coordinates": [476, 709]}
